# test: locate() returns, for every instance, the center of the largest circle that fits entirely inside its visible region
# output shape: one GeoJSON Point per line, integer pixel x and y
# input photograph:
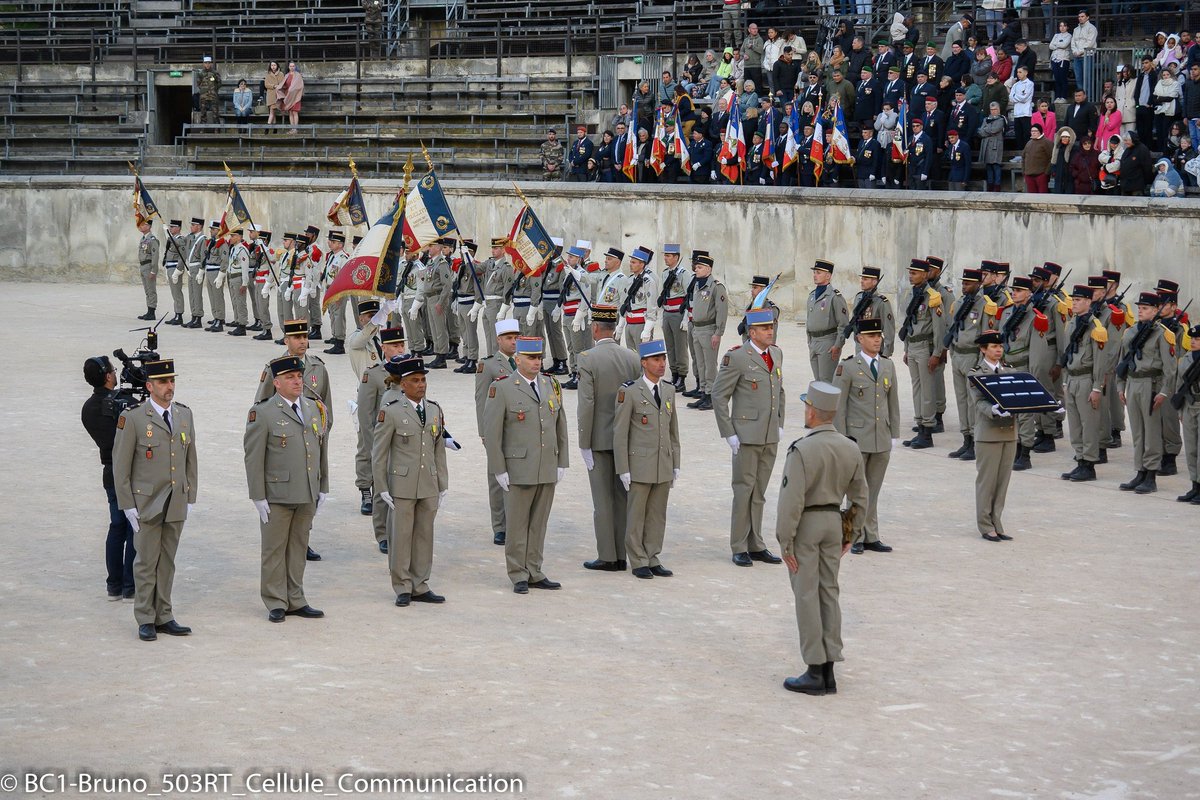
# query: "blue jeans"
{"type": "Point", "coordinates": [992, 174]}
{"type": "Point", "coordinates": [1062, 82]}
{"type": "Point", "coordinates": [118, 549]}
{"type": "Point", "coordinates": [1083, 74]}
{"type": "Point", "coordinates": [1194, 131]}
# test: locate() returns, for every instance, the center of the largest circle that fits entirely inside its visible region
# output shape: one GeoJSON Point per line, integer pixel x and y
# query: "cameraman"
{"type": "Point", "coordinates": [100, 420]}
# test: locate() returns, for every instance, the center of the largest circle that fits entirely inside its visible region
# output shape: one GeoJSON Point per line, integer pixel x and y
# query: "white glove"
{"type": "Point", "coordinates": [734, 443]}
{"type": "Point", "coordinates": [762, 181]}
{"type": "Point", "coordinates": [264, 509]}
{"type": "Point", "coordinates": [999, 412]}
{"type": "Point", "coordinates": [895, 443]}
{"type": "Point", "coordinates": [177, 275]}
{"type": "Point", "coordinates": [219, 282]}
{"type": "Point", "coordinates": [199, 276]}
{"type": "Point", "coordinates": [381, 315]}
{"type": "Point", "coordinates": [386, 497]}
{"type": "Point", "coordinates": [1060, 412]}
{"type": "Point", "coordinates": [451, 444]}
{"type": "Point", "coordinates": [620, 330]}
{"type": "Point", "coordinates": [712, 174]}
{"type": "Point", "coordinates": [505, 311]}
{"type": "Point", "coordinates": [473, 314]}
{"type": "Point", "coordinates": [780, 433]}
{"type": "Point", "coordinates": [415, 311]}
{"type": "Point", "coordinates": [321, 498]}
{"type": "Point", "coordinates": [581, 318]}
{"type": "Point", "coordinates": [454, 307]}
{"type": "Point", "coordinates": [561, 472]}
{"type": "Point", "coordinates": [531, 317]}
{"type": "Point", "coordinates": [674, 476]}
{"type": "Point", "coordinates": [502, 480]}
{"type": "Point", "coordinates": [131, 514]}
{"type": "Point", "coordinates": [647, 333]}
{"type": "Point", "coordinates": [589, 460]}
{"type": "Point", "coordinates": [540, 313]}
{"type": "Point", "coordinates": [556, 314]}
{"type": "Point", "coordinates": [266, 291]}
{"type": "Point", "coordinates": [190, 507]}
{"type": "Point", "coordinates": [626, 479]}
{"type": "Point", "coordinates": [442, 497]}
{"type": "Point", "coordinates": [684, 323]}
{"type": "Point", "coordinates": [924, 177]}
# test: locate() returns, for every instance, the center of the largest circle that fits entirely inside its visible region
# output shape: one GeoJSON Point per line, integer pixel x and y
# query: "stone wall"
{"type": "Point", "coordinates": [80, 229]}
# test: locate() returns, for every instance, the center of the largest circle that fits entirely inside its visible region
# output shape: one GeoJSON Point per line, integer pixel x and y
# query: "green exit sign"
{"type": "Point", "coordinates": [176, 73]}
{"type": "Point", "coordinates": [637, 59]}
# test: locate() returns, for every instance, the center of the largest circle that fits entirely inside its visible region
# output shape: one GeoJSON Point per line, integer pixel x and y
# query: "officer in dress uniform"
{"type": "Point", "coordinates": [175, 263]}
{"type": "Point", "coordinates": [520, 299]}
{"type": "Point", "coordinates": [671, 299]}
{"type": "Point", "coordinates": [921, 330]}
{"type": "Point", "coordinates": [646, 453]}
{"type": "Point", "coordinates": [870, 303]}
{"type": "Point", "coordinates": [1017, 331]}
{"type": "Point", "coordinates": [287, 470]}
{"type": "Point", "coordinates": [1117, 318]}
{"type": "Point", "coordinates": [970, 316]}
{"type": "Point", "coordinates": [498, 277]}
{"type": "Point", "coordinates": [827, 316]}
{"type": "Point", "coordinates": [1187, 387]}
{"type": "Point", "coordinates": [869, 413]}
{"type": "Point", "coordinates": [549, 298]}
{"type": "Point", "coordinates": [823, 469]}
{"type": "Point", "coordinates": [409, 465]}
{"type": "Point", "coordinates": [491, 369]}
{"type": "Point", "coordinates": [574, 303]}
{"type": "Point", "coordinates": [258, 242]}
{"type": "Point", "coordinates": [370, 398]}
{"type": "Point", "coordinates": [751, 376]}
{"type": "Point", "coordinates": [602, 370]}
{"type": "Point", "coordinates": [363, 345]}
{"type": "Point", "coordinates": [238, 281]}
{"type": "Point", "coordinates": [525, 434]}
{"type": "Point", "coordinates": [920, 156]}
{"type": "Point", "coordinates": [194, 247]}
{"type": "Point", "coordinates": [290, 278]}
{"type": "Point", "coordinates": [468, 304]}
{"type": "Point", "coordinates": [707, 310]}
{"type": "Point", "coordinates": [316, 379]}
{"type": "Point", "coordinates": [995, 443]}
{"type": "Point", "coordinates": [436, 289]}
{"type": "Point", "coordinates": [1145, 381]}
{"type": "Point", "coordinates": [581, 151]}
{"type": "Point", "coordinates": [155, 478]}
{"type": "Point", "coordinates": [611, 286]}
{"type": "Point", "coordinates": [1084, 362]}
{"type": "Point", "coordinates": [148, 265]}
{"type": "Point", "coordinates": [639, 308]}
{"type": "Point", "coordinates": [757, 284]}
{"type": "Point", "coordinates": [335, 259]}
{"type": "Point", "coordinates": [216, 258]}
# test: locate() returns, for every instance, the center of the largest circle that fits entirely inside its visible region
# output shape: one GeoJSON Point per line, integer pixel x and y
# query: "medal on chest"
{"type": "Point", "coordinates": [645, 420]}
{"type": "Point", "coordinates": [283, 440]}
{"type": "Point", "coordinates": [520, 416]}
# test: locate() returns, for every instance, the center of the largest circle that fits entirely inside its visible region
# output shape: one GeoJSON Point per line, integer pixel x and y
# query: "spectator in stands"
{"type": "Point", "coordinates": [1166, 104]}
{"type": "Point", "coordinates": [553, 155]}
{"type": "Point", "coordinates": [772, 50]}
{"type": "Point", "coordinates": [841, 90]}
{"type": "Point", "coordinates": [982, 67]}
{"type": "Point", "coordinates": [843, 36]}
{"type": "Point", "coordinates": [1011, 33]}
{"type": "Point", "coordinates": [666, 88]}
{"type": "Point", "coordinates": [686, 110]}
{"type": "Point", "coordinates": [836, 62]}
{"type": "Point", "coordinates": [643, 98]}
{"type": "Point", "coordinates": [1143, 93]}
{"type": "Point", "coordinates": [885, 131]}
{"type": "Point", "coordinates": [1186, 154]}
{"type": "Point", "coordinates": [1046, 118]}
{"type": "Point", "coordinates": [1022, 100]}
{"type": "Point", "coordinates": [1167, 182]}
{"type": "Point", "coordinates": [291, 93]}
{"type": "Point", "coordinates": [605, 158]}
{"type": "Point", "coordinates": [993, 10]}
{"type": "Point", "coordinates": [1110, 121]}
{"type": "Point", "coordinates": [753, 49]}
{"type": "Point", "coordinates": [1035, 162]}
{"type": "Point", "coordinates": [786, 73]}
{"type": "Point", "coordinates": [1060, 162]}
{"type": "Point", "coordinates": [795, 41]}
{"type": "Point", "coordinates": [995, 92]}
{"type": "Point", "coordinates": [1085, 167]}
{"type": "Point", "coordinates": [1082, 117]}
{"type": "Point", "coordinates": [738, 75]}
{"type": "Point", "coordinates": [1137, 167]}
{"type": "Point", "coordinates": [1191, 101]}
{"type": "Point", "coordinates": [1124, 95]}
{"type": "Point", "coordinates": [731, 21]}
{"type": "Point", "coordinates": [1047, 20]}
{"type": "Point", "coordinates": [208, 87]}
{"type": "Point", "coordinates": [958, 162]}
{"type": "Point", "coordinates": [1174, 137]}
{"type": "Point", "coordinates": [581, 151]}
{"type": "Point", "coordinates": [991, 143]}
{"type": "Point", "coordinates": [748, 102]}
{"type": "Point", "coordinates": [690, 75]}
{"type": "Point", "coordinates": [958, 64]}
{"type": "Point", "coordinates": [270, 83]}
{"type": "Point", "coordinates": [913, 37]}
{"type": "Point", "coordinates": [243, 103]}
{"type": "Point", "coordinates": [1060, 60]}
{"type": "Point", "coordinates": [1026, 57]}
{"type": "Point", "coordinates": [973, 93]}
{"type": "Point", "coordinates": [621, 117]}
{"type": "Point", "coordinates": [1110, 164]}
{"type": "Point", "coordinates": [1083, 52]}
{"type": "Point", "coordinates": [1003, 66]}
{"type": "Point", "coordinates": [898, 30]}
{"type": "Point", "coordinates": [1171, 53]}
{"type": "Point", "coordinates": [858, 56]}
{"type": "Point", "coordinates": [1193, 52]}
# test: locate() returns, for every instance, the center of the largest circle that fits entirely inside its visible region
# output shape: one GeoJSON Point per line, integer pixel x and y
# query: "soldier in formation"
{"type": "Point", "coordinates": [175, 263]}
{"type": "Point", "coordinates": [501, 364]}
{"type": "Point", "coordinates": [371, 389]}
{"type": "Point", "coordinates": [148, 249]}
{"type": "Point", "coordinates": [827, 316]}
{"type": "Point", "coordinates": [706, 311]}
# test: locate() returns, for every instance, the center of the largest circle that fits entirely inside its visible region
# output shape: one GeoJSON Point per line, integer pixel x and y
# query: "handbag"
{"type": "Point", "coordinates": [260, 109]}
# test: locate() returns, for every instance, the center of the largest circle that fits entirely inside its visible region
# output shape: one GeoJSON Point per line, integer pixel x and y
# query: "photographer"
{"type": "Point", "coordinates": [100, 420]}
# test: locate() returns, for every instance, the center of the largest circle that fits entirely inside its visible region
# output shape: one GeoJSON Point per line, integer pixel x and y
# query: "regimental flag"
{"type": "Point", "coordinates": [817, 153]}
{"type": "Point", "coordinates": [631, 142]}
{"type": "Point", "coordinates": [427, 215]}
{"type": "Point", "coordinates": [760, 299]}
{"type": "Point", "coordinates": [681, 148]}
{"type": "Point", "coordinates": [349, 208]}
{"type": "Point", "coordinates": [770, 161]}
{"type": "Point", "coordinates": [733, 148]}
{"type": "Point", "coordinates": [791, 148]}
{"type": "Point", "coordinates": [144, 208]}
{"type": "Point", "coordinates": [658, 149]}
{"type": "Point", "coordinates": [529, 246]}
{"type": "Point", "coordinates": [374, 269]}
{"type": "Point", "coordinates": [900, 139]}
{"type": "Point", "coordinates": [839, 141]}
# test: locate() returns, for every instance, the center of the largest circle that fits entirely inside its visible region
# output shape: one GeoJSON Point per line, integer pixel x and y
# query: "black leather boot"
{"type": "Point", "coordinates": [256, 327]}
{"type": "Point", "coordinates": [315, 334]}
{"type": "Point", "coordinates": [938, 427]}
{"type": "Point", "coordinates": [1044, 443]}
{"type": "Point", "coordinates": [572, 382]}
{"type": "Point", "coordinates": [437, 363]}
{"type": "Point", "coordinates": [265, 336]}
{"type": "Point", "coordinates": [703, 404]}
{"type": "Point", "coordinates": [811, 682]}
{"type": "Point", "coordinates": [922, 441]}
{"type": "Point", "coordinates": [1103, 456]}
{"type": "Point", "coordinates": [830, 683]}
{"type": "Point", "coordinates": [1168, 465]}
{"type": "Point", "coordinates": [962, 449]}
{"type": "Point", "coordinates": [1149, 485]}
{"type": "Point", "coordinates": [1191, 495]}
{"type": "Point", "coordinates": [969, 453]}
{"type": "Point", "coordinates": [1086, 471]}
{"type": "Point", "coordinates": [1022, 462]}
{"type": "Point", "coordinates": [149, 315]}
{"type": "Point", "coordinates": [365, 508]}
{"type": "Point", "coordinates": [1136, 481]}
{"type": "Point", "coordinates": [176, 320]}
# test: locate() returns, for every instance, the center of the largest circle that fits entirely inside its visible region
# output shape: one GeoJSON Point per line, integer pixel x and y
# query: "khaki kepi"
{"type": "Point", "coordinates": [822, 396]}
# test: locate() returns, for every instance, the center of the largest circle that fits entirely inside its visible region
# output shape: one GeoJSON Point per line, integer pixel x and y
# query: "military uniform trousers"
{"type": "Point", "coordinates": [610, 507]}
{"type": "Point", "coordinates": [527, 511]}
{"type": "Point", "coordinates": [1115, 420]}
{"type": "Point", "coordinates": [176, 287]}
{"type": "Point", "coordinates": [237, 298]}
{"type": "Point", "coordinates": [993, 469]}
{"type": "Point", "coordinates": [1041, 362]}
{"type": "Point", "coordinates": [496, 504]}
{"type": "Point", "coordinates": [337, 319]}
{"type": "Point", "coordinates": [1083, 421]}
{"type": "Point", "coordinates": [752, 467]}
{"type": "Point", "coordinates": [962, 361]}
{"type": "Point", "coordinates": [553, 330]}
{"type": "Point", "coordinates": [818, 551]}
{"type": "Point", "coordinates": [216, 296]}
{"type": "Point", "coordinates": [820, 360]}
{"type": "Point", "coordinates": [150, 284]}
{"type": "Point", "coordinates": [923, 389]}
{"type": "Point", "coordinates": [287, 308]}
{"type": "Point", "coordinates": [1172, 443]}
{"type": "Point", "coordinates": [633, 334]}
{"type": "Point", "coordinates": [362, 480]}
{"type": "Point", "coordinates": [1027, 424]}
{"type": "Point", "coordinates": [491, 314]}
{"type": "Point", "coordinates": [416, 330]}
{"type": "Point", "coordinates": [1190, 416]}
{"type": "Point", "coordinates": [284, 547]}
{"type": "Point", "coordinates": [208, 110]}
{"type": "Point", "coordinates": [261, 305]}
{"type": "Point", "coordinates": [677, 341]}
{"type": "Point", "coordinates": [313, 310]}
{"type": "Point", "coordinates": [437, 326]}
{"type": "Point", "coordinates": [646, 525]}
{"type": "Point", "coordinates": [875, 466]}
{"type": "Point", "coordinates": [577, 341]}
{"type": "Point", "coordinates": [520, 312]}
{"type": "Point", "coordinates": [1147, 425]}
{"type": "Point", "coordinates": [468, 330]}
{"type": "Point", "coordinates": [410, 551]}
{"type": "Point", "coordinates": [195, 284]}
{"type": "Point", "coordinates": [939, 389]}
{"type": "Point", "coordinates": [155, 544]}
{"type": "Point", "coordinates": [705, 356]}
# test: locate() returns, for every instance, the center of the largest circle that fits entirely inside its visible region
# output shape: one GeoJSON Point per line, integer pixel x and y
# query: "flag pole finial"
{"type": "Point", "coordinates": [228, 171]}
{"type": "Point", "coordinates": [425, 153]}
{"type": "Point", "coordinates": [408, 171]}
{"type": "Point", "coordinates": [353, 168]}
{"type": "Point", "coordinates": [520, 194]}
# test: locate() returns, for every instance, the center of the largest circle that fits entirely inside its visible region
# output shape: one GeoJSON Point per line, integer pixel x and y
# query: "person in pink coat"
{"type": "Point", "coordinates": [1110, 121]}
{"type": "Point", "coordinates": [1045, 117]}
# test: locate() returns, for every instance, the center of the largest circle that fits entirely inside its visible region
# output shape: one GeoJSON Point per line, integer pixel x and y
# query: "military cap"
{"type": "Point", "coordinates": [1112, 276]}
{"type": "Point", "coordinates": [989, 337]}
{"type": "Point", "coordinates": [368, 306]}
{"type": "Point", "coordinates": [987, 265]}
{"type": "Point", "coordinates": [1149, 299]}
{"type": "Point", "coordinates": [642, 254]}
{"type": "Point", "coordinates": [1164, 285]}
{"type": "Point", "coordinates": [175, 223]}
{"type": "Point", "coordinates": [936, 261]}
{"type": "Point", "coordinates": [407, 364]}
{"type": "Point", "coordinates": [871, 272]}
{"type": "Point", "coordinates": [583, 244]}
{"type": "Point", "coordinates": [447, 241]}
{"type": "Point", "coordinates": [706, 260]}
{"type": "Point", "coordinates": [236, 231]}
{"type": "Point", "coordinates": [265, 236]}
{"type": "Point", "coordinates": [656, 347]}
{"type": "Point", "coordinates": [820, 265]}
{"type": "Point", "coordinates": [312, 230]}
{"type": "Point", "coordinates": [1022, 282]}
{"type": "Point", "coordinates": [921, 72]}
{"type": "Point", "coordinates": [604, 313]}
{"type": "Point", "coordinates": [208, 59]}
{"type": "Point", "coordinates": [917, 121]}
{"type": "Point", "coordinates": [959, 89]}
{"type": "Point", "coordinates": [931, 44]}
{"type": "Point", "coordinates": [557, 241]}
{"type": "Point", "coordinates": [1194, 332]}
{"type": "Point", "coordinates": [1040, 274]}
{"type": "Point", "coordinates": [1097, 282]}
{"type": "Point", "coordinates": [252, 226]}
{"type": "Point", "coordinates": [337, 236]}
{"type": "Point", "coordinates": [1168, 296]}
{"type": "Point", "coordinates": [287, 236]}
{"type": "Point", "coordinates": [1002, 268]}
{"type": "Point", "coordinates": [615, 253]}
{"type": "Point", "coordinates": [1082, 291]}
{"type": "Point", "coordinates": [578, 252]}
{"type": "Point", "coordinates": [700, 253]}
{"type": "Point", "coordinates": [356, 240]}
{"type": "Point", "coordinates": [882, 41]}
{"type": "Point", "coordinates": [760, 316]}
{"type": "Point", "coordinates": [499, 241]}
{"type": "Point", "coordinates": [470, 244]}
{"type": "Point", "coordinates": [907, 45]}
{"type": "Point", "coordinates": [972, 275]}
{"type": "Point", "coordinates": [197, 220]}
{"type": "Point", "coordinates": [391, 335]}
{"type": "Point", "coordinates": [760, 280]}
{"type": "Point", "coordinates": [164, 368]}
{"type": "Point", "coordinates": [530, 345]}
{"type": "Point", "coordinates": [894, 68]}
{"type": "Point", "coordinates": [504, 326]}
{"type": "Point", "coordinates": [868, 68]}
{"type": "Point", "coordinates": [918, 265]}
{"type": "Point", "coordinates": [952, 132]}
{"type": "Point", "coordinates": [1052, 268]}
{"type": "Point", "coordinates": [871, 325]}
{"type": "Point", "coordinates": [822, 396]}
{"type": "Point", "coordinates": [295, 327]}
{"type": "Point", "coordinates": [216, 223]}
{"type": "Point", "coordinates": [671, 249]}
{"type": "Point", "coordinates": [286, 364]}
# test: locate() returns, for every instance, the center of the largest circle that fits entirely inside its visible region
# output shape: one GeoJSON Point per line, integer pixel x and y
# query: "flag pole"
{"type": "Point", "coordinates": [353, 169]}
{"type": "Point", "coordinates": [425, 153]}
{"type": "Point", "coordinates": [520, 194]}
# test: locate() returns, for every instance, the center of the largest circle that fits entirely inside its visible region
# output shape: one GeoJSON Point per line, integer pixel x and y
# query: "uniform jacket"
{"type": "Point", "coordinates": [175, 250]}
{"type": "Point", "coordinates": [931, 320]}
{"type": "Point", "coordinates": [827, 313]}
{"type": "Point", "coordinates": [148, 249]}
{"type": "Point", "coordinates": [408, 456]}
{"type": "Point", "coordinates": [821, 470]}
{"type": "Point", "coordinates": [524, 436]}
{"type": "Point", "coordinates": [491, 368]}
{"type": "Point", "coordinates": [988, 426]}
{"type": "Point", "coordinates": [316, 385]}
{"type": "Point", "coordinates": [287, 459]}
{"type": "Point", "coordinates": [708, 305]}
{"type": "Point", "coordinates": [602, 369]}
{"type": "Point", "coordinates": [869, 408]}
{"type": "Point", "coordinates": [646, 434]}
{"type": "Point", "coordinates": [879, 307]}
{"type": "Point", "coordinates": [958, 161]}
{"type": "Point", "coordinates": [757, 395]}
{"type": "Point", "coordinates": [1157, 356]}
{"type": "Point", "coordinates": [371, 389]}
{"type": "Point", "coordinates": [154, 468]}
{"type": "Point", "coordinates": [1088, 358]}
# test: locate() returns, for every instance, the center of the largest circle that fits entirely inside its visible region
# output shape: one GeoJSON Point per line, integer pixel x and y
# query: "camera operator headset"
{"type": "Point", "coordinates": [99, 417]}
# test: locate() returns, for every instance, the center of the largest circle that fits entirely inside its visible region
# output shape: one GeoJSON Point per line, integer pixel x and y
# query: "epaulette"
{"type": "Point", "coordinates": [835, 291]}
{"type": "Point", "coordinates": [848, 358]}
{"type": "Point", "coordinates": [627, 384]}
{"type": "Point", "coordinates": [989, 307]}
{"type": "Point", "coordinates": [502, 377]}
{"type": "Point", "coordinates": [735, 347]}
{"type": "Point", "coordinates": [837, 373]}
{"type": "Point", "coordinates": [317, 359]}
{"type": "Point", "coordinates": [390, 402]}
{"type": "Point", "coordinates": [1099, 333]}
{"type": "Point", "coordinates": [121, 420]}
{"type": "Point", "coordinates": [935, 297]}
{"type": "Point", "coordinates": [262, 377]}
{"type": "Point", "coordinates": [181, 405]}
{"type": "Point", "coordinates": [1168, 334]}
{"type": "Point", "coordinates": [883, 297]}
